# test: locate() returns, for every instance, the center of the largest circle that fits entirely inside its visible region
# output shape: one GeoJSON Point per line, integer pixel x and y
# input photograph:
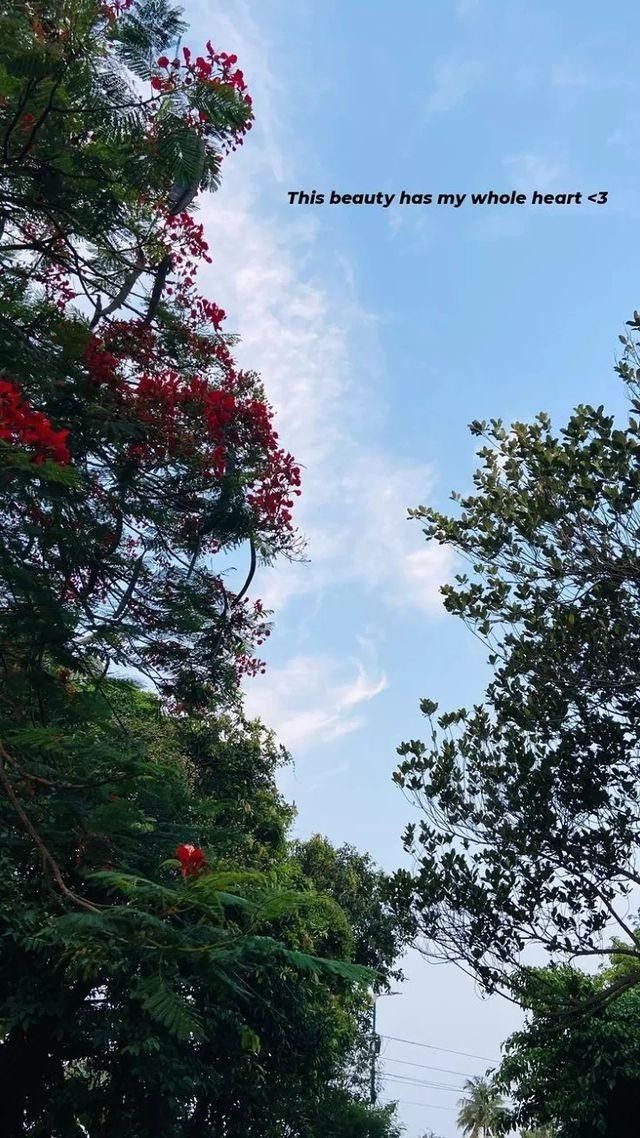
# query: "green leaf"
{"type": "Point", "coordinates": [174, 1012]}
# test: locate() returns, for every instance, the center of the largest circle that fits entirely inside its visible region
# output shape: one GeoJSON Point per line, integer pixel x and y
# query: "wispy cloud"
{"type": "Point", "coordinates": [567, 73]}
{"type": "Point", "coordinates": [534, 171]}
{"type": "Point", "coordinates": [468, 9]}
{"type": "Point", "coordinates": [313, 700]}
{"type": "Point", "coordinates": [317, 351]}
{"type": "Point", "coordinates": [454, 79]}
{"type": "Point", "coordinates": [585, 72]}
{"type": "Point", "coordinates": [365, 540]}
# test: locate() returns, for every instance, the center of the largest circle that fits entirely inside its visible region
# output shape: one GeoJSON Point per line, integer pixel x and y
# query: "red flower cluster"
{"type": "Point", "coordinates": [21, 425]}
{"type": "Point", "coordinates": [120, 341]}
{"type": "Point", "coordinates": [193, 420]}
{"type": "Point", "coordinates": [57, 288]}
{"type": "Point", "coordinates": [216, 69]}
{"type": "Point", "coordinates": [115, 9]}
{"type": "Point", "coordinates": [102, 364]}
{"type": "Point", "coordinates": [192, 860]}
{"type": "Point", "coordinates": [186, 246]}
{"type": "Point", "coordinates": [271, 499]}
{"type": "Point", "coordinates": [165, 403]}
{"type": "Point", "coordinates": [197, 418]}
{"type": "Point", "coordinates": [51, 272]}
{"type": "Point", "coordinates": [205, 311]}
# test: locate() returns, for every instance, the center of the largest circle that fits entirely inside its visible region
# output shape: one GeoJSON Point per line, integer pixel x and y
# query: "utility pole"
{"type": "Point", "coordinates": [375, 1051]}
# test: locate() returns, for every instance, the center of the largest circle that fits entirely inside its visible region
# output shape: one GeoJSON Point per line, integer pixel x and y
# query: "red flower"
{"type": "Point", "coordinates": [26, 123]}
{"type": "Point", "coordinates": [22, 425]}
{"type": "Point", "coordinates": [191, 859]}
{"type": "Point", "coordinates": [163, 61]}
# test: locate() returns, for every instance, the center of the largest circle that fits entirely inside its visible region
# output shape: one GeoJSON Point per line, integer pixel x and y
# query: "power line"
{"type": "Point", "coordinates": [432, 1047]}
{"type": "Point", "coordinates": [422, 1083]}
{"type": "Point", "coordinates": [427, 1105]}
{"type": "Point", "coordinates": [425, 1066]}
{"type": "Point", "coordinates": [399, 1075]}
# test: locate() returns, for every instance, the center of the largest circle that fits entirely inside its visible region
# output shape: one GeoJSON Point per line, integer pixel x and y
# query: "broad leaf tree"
{"type": "Point", "coordinates": [574, 1076]}
{"type": "Point", "coordinates": [163, 963]}
{"type": "Point", "coordinates": [362, 890]}
{"type": "Point", "coordinates": [530, 809]}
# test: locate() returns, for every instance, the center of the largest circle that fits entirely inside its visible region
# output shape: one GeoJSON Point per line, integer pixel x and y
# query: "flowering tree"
{"type": "Point", "coordinates": [133, 445]}
{"type": "Point", "coordinates": [165, 957]}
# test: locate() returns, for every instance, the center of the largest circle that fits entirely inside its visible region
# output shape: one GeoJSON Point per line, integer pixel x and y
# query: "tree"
{"type": "Point", "coordinates": [354, 881]}
{"type": "Point", "coordinates": [343, 1116]}
{"type": "Point", "coordinates": [166, 961]}
{"type": "Point", "coordinates": [530, 800]}
{"type": "Point", "coordinates": [574, 1076]}
{"type": "Point", "coordinates": [380, 935]}
{"type": "Point", "coordinates": [136, 455]}
{"type": "Point", "coordinates": [481, 1110]}
{"type": "Point", "coordinates": [92, 163]}
{"type": "Point", "coordinates": [165, 991]}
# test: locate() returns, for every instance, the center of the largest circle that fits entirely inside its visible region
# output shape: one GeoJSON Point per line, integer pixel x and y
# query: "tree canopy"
{"type": "Point", "coordinates": [137, 453]}
{"type": "Point", "coordinates": [172, 964]}
{"type": "Point", "coordinates": [156, 988]}
{"type": "Point", "coordinates": [529, 800]}
{"type": "Point", "coordinates": [481, 1110]}
{"type": "Point", "coordinates": [575, 1075]}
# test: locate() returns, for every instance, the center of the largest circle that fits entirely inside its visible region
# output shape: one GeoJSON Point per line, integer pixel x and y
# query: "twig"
{"type": "Point", "coordinates": [46, 855]}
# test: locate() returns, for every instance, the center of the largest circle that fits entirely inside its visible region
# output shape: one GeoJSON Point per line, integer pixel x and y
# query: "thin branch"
{"type": "Point", "coordinates": [46, 855]}
{"type": "Point", "coordinates": [250, 575]}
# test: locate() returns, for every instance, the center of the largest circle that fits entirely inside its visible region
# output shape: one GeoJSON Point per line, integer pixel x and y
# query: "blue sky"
{"type": "Point", "coordinates": [380, 334]}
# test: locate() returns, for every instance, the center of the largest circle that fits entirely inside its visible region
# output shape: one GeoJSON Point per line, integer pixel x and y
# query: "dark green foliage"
{"type": "Point", "coordinates": [575, 1075]}
{"type": "Point", "coordinates": [531, 800]}
{"type": "Point", "coordinates": [342, 1116]}
{"type": "Point", "coordinates": [140, 995]}
{"type": "Point", "coordinates": [123, 987]}
{"type": "Point", "coordinates": [362, 890]}
{"type": "Point", "coordinates": [145, 33]}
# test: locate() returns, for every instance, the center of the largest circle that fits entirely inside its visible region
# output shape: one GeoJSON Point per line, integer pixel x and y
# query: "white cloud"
{"type": "Point", "coordinates": [424, 573]}
{"type": "Point", "coordinates": [387, 550]}
{"type": "Point", "coordinates": [468, 9]}
{"type": "Point", "coordinates": [626, 134]}
{"type": "Point", "coordinates": [313, 699]}
{"type": "Point", "coordinates": [305, 337]}
{"type": "Point", "coordinates": [535, 171]}
{"type": "Point", "coordinates": [454, 79]}
{"type": "Point", "coordinates": [569, 74]}
{"type": "Point", "coordinates": [576, 73]}
{"type": "Point", "coordinates": [367, 541]}
{"type": "Point", "coordinates": [317, 352]}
